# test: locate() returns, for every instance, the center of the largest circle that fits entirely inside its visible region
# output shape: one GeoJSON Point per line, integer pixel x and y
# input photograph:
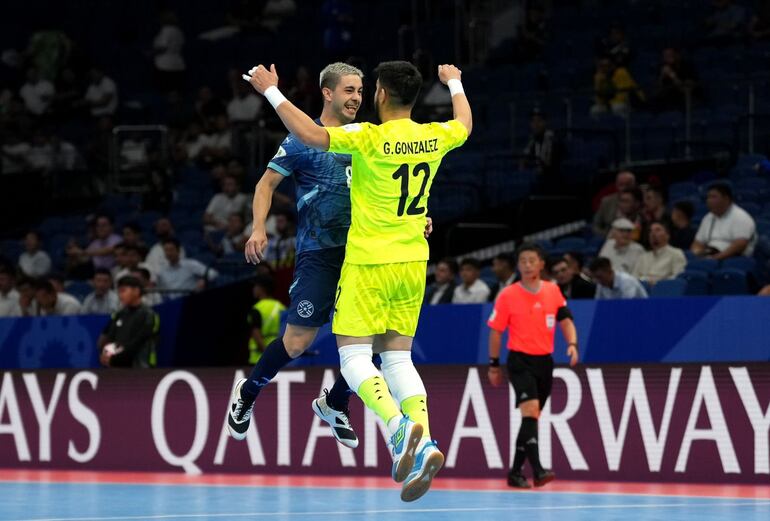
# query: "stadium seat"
{"type": "Point", "coordinates": [683, 190]}
{"type": "Point", "coordinates": [746, 264]}
{"type": "Point", "coordinates": [79, 289]}
{"type": "Point", "coordinates": [669, 288]}
{"type": "Point", "coordinates": [749, 160]}
{"type": "Point", "coordinates": [703, 265]}
{"type": "Point", "coordinates": [697, 283]}
{"type": "Point", "coordinates": [571, 243]}
{"type": "Point", "coordinates": [753, 208]}
{"type": "Point", "coordinates": [763, 226]}
{"type": "Point", "coordinates": [729, 281]}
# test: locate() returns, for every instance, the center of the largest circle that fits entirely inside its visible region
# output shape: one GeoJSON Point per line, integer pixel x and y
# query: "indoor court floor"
{"type": "Point", "coordinates": [112, 496]}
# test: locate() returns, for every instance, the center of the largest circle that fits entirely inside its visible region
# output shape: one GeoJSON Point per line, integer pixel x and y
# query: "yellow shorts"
{"type": "Point", "coordinates": [373, 298]}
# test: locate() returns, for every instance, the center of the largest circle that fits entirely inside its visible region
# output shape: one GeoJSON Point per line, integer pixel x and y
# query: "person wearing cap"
{"type": "Point", "coordinates": [129, 338]}
{"type": "Point", "coordinates": [621, 249]}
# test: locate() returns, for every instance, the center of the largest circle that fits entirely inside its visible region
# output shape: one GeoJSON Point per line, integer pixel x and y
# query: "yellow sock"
{"type": "Point", "coordinates": [416, 407]}
{"type": "Point", "coordinates": [376, 396]}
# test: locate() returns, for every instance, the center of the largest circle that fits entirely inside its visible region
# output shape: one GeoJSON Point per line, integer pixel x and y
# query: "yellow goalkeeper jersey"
{"type": "Point", "coordinates": [394, 165]}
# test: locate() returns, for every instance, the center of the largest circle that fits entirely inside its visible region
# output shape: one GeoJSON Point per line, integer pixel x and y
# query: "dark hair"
{"type": "Point", "coordinates": [636, 193]}
{"type": "Point", "coordinates": [401, 79]}
{"type": "Point", "coordinates": [6, 270]}
{"type": "Point", "coordinates": [553, 261]}
{"type": "Point", "coordinates": [579, 258]}
{"type": "Point", "coordinates": [530, 246]}
{"type": "Point", "coordinates": [103, 216]}
{"type": "Point", "coordinates": [134, 227]}
{"type": "Point", "coordinates": [658, 191]}
{"type": "Point", "coordinates": [102, 271]}
{"type": "Point", "coordinates": [36, 234]}
{"type": "Point", "coordinates": [56, 276]}
{"type": "Point", "coordinates": [45, 285]}
{"type": "Point", "coordinates": [174, 241]}
{"type": "Point", "coordinates": [686, 207]}
{"type": "Point", "coordinates": [266, 283]}
{"type": "Point", "coordinates": [132, 247]}
{"type": "Point", "coordinates": [472, 262]}
{"type": "Point", "coordinates": [451, 264]}
{"type": "Point", "coordinates": [722, 188]}
{"type": "Point", "coordinates": [506, 258]}
{"type": "Point", "coordinates": [144, 272]}
{"type": "Point", "coordinates": [599, 264]}
{"type": "Point", "coordinates": [120, 246]}
{"type": "Point", "coordinates": [131, 281]}
{"type": "Point", "coordinates": [661, 223]}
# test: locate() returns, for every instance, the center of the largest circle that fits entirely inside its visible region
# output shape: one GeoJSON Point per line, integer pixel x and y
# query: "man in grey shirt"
{"type": "Point", "coordinates": [103, 300]}
{"type": "Point", "coordinates": [182, 275]}
{"type": "Point", "coordinates": [611, 284]}
{"type": "Point", "coordinates": [34, 262]}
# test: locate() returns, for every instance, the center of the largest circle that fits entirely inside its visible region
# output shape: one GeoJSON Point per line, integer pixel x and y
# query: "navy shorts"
{"type": "Point", "coordinates": [314, 288]}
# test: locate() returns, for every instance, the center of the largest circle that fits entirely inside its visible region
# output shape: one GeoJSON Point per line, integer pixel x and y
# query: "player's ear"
{"type": "Point", "coordinates": [326, 92]}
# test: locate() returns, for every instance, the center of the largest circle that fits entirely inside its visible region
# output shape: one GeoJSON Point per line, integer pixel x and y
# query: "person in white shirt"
{"type": "Point", "coordinates": [101, 95]}
{"type": "Point", "coordinates": [14, 153]}
{"type": "Point", "coordinates": [150, 297]}
{"type": "Point", "coordinates": [664, 261]}
{"type": "Point", "coordinates": [103, 300]}
{"type": "Point", "coordinates": [168, 45]}
{"type": "Point", "coordinates": [611, 284]}
{"type": "Point", "coordinates": [245, 106]}
{"type": "Point", "coordinates": [50, 302]}
{"type": "Point", "coordinates": [622, 251]}
{"type": "Point", "coordinates": [224, 204]}
{"type": "Point", "coordinates": [156, 261]}
{"type": "Point", "coordinates": [182, 275]}
{"type": "Point", "coordinates": [9, 297]}
{"type": "Point", "coordinates": [34, 262]}
{"type": "Point", "coordinates": [472, 290]}
{"type": "Point", "coordinates": [727, 230]}
{"type": "Point", "coordinates": [37, 93]}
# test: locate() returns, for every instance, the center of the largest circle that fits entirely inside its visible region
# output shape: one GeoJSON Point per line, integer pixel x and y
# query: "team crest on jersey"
{"type": "Point", "coordinates": [352, 127]}
{"type": "Point", "coordinates": [305, 309]}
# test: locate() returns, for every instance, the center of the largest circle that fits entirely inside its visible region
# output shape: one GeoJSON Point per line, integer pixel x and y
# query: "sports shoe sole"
{"type": "Point", "coordinates": [417, 488]}
{"type": "Point", "coordinates": [352, 444]}
{"type": "Point", "coordinates": [234, 396]}
{"type": "Point", "coordinates": [406, 463]}
{"type": "Point", "coordinates": [542, 482]}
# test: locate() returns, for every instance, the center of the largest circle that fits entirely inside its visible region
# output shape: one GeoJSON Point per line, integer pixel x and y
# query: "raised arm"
{"type": "Point", "coordinates": [450, 75]}
{"type": "Point", "coordinates": [297, 122]}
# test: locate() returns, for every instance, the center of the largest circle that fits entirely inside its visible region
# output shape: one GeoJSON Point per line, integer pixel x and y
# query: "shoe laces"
{"type": "Point", "coordinates": [345, 413]}
{"type": "Point", "coordinates": [242, 411]}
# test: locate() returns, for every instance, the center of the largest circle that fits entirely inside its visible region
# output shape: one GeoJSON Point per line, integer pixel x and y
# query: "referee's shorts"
{"type": "Point", "coordinates": [531, 376]}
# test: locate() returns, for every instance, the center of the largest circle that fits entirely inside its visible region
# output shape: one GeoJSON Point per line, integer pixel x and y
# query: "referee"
{"type": "Point", "coordinates": [529, 309]}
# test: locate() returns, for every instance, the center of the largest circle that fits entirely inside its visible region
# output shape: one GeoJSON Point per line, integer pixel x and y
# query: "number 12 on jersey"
{"type": "Point", "coordinates": [403, 174]}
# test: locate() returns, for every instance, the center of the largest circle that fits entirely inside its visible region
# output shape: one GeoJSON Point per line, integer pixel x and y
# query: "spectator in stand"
{"type": "Point", "coordinates": [246, 106]}
{"type": "Point", "coordinates": [101, 249]}
{"type": "Point", "coordinates": [282, 247]}
{"type": "Point", "coordinates": [629, 207]}
{"type": "Point", "coordinates": [275, 11]}
{"type": "Point", "coordinates": [9, 297]}
{"type": "Point", "coordinates": [64, 156]}
{"type": "Point", "coordinates": [571, 283]}
{"type": "Point", "coordinates": [68, 299]}
{"type": "Point", "coordinates": [182, 275]}
{"type": "Point", "coordinates": [132, 236]}
{"type": "Point", "coordinates": [663, 261]}
{"type": "Point", "coordinates": [218, 142]}
{"type": "Point", "coordinates": [27, 303]}
{"type": "Point", "coordinates": [233, 240]}
{"type": "Point", "coordinates": [51, 302]}
{"type": "Point", "coordinates": [34, 262]}
{"type": "Point", "coordinates": [759, 26]}
{"type": "Point", "coordinates": [229, 201]}
{"type": "Point", "coordinates": [575, 261]}
{"type": "Point", "coordinates": [608, 208]}
{"type": "Point", "coordinates": [613, 284]}
{"type": "Point", "coordinates": [675, 78]}
{"type": "Point", "coordinates": [37, 93]}
{"type": "Point", "coordinates": [132, 260]}
{"type": "Point", "coordinates": [129, 339]}
{"type": "Point", "coordinates": [504, 268]}
{"type": "Point", "coordinates": [102, 94]}
{"type": "Point", "coordinates": [156, 259]}
{"type": "Point", "coordinates": [615, 46]}
{"type": "Point", "coordinates": [472, 290]}
{"type": "Point", "coordinates": [208, 106]}
{"type": "Point", "coordinates": [103, 300]}
{"type": "Point", "coordinates": [443, 288]}
{"type": "Point", "coordinates": [14, 152]}
{"type": "Point", "coordinates": [727, 230]}
{"type": "Point", "coordinates": [614, 89]}
{"type": "Point", "coordinates": [621, 249]}
{"type": "Point", "coordinates": [545, 151]}
{"type": "Point", "coordinates": [653, 209]}
{"type": "Point", "coordinates": [168, 44]}
{"type": "Point", "coordinates": [682, 231]}
{"type": "Point", "coordinates": [150, 297]}
{"type": "Point", "coordinates": [726, 24]}
{"type": "Point", "coordinates": [533, 34]}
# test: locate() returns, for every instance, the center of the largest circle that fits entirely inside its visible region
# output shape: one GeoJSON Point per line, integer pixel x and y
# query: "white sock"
{"type": "Point", "coordinates": [401, 375]}
{"type": "Point", "coordinates": [356, 364]}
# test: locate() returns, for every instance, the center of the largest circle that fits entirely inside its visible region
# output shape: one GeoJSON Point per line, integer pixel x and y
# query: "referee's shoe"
{"type": "Point", "coordinates": [339, 421]}
{"type": "Point", "coordinates": [239, 414]}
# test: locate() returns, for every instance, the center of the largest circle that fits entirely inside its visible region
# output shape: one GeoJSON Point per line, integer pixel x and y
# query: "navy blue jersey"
{"type": "Point", "coordinates": [323, 192]}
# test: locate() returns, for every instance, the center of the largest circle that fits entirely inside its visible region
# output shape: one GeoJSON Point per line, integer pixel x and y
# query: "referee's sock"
{"type": "Point", "coordinates": [528, 439]}
{"type": "Point", "coordinates": [273, 360]}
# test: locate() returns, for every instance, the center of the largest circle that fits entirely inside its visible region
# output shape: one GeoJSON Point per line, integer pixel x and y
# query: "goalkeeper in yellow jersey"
{"type": "Point", "coordinates": [383, 277]}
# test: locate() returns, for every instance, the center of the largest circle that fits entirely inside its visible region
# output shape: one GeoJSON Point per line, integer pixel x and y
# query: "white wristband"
{"type": "Point", "coordinates": [274, 96]}
{"type": "Point", "coordinates": [455, 87]}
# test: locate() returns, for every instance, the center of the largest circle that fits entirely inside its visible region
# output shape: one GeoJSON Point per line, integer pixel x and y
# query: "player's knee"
{"type": "Point", "coordinates": [297, 342]}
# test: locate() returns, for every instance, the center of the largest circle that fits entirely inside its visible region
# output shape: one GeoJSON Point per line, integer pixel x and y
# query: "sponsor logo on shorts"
{"type": "Point", "coordinates": [305, 309]}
